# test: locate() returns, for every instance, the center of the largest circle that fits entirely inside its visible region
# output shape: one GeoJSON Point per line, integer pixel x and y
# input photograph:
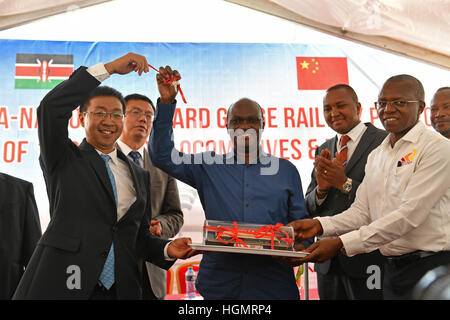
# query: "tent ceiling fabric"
{"type": "Point", "coordinates": [415, 28]}
{"type": "Point", "coordinates": [17, 12]}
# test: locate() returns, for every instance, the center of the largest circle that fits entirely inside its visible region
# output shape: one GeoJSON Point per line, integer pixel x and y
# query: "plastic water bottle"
{"type": "Point", "coordinates": [190, 282]}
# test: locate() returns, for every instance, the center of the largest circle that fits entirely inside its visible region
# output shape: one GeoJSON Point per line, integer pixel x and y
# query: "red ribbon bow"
{"type": "Point", "coordinates": [270, 231]}
{"type": "Point", "coordinates": [264, 231]}
{"type": "Point", "coordinates": [169, 81]}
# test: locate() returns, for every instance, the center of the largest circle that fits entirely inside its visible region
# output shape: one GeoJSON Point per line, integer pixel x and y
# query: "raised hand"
{"type": "Point", "coordinates": [167, 85]}
{"type": "Point", "coordinates": [322, 183]}
{"type": "Point", "coordinates": [127, 63]}
{"type": "Point", "coordinates": [330, 172]}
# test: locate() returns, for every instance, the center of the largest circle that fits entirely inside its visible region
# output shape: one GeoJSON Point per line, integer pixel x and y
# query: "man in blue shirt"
{"type": "Point", "coordinates": [245, 185]}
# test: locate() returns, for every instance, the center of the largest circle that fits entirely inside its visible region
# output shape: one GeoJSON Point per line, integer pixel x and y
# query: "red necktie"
{"type": "Point", "coordinates": [344, 150]}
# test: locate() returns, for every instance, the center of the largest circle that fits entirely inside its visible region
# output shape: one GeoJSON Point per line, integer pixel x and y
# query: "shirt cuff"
{"type": "Point", "coordinates": [352, 243]}
{"type": "Point", "coordinates": [166, 256]}
{"type": "Point", "coordinates": [327, 226]}
{"type": "Point", "coordinates": [320, 201]}
{"type": "Point", "coordinates": [99, 72]}
{"type": "Point", "coordinates": [164, 112]}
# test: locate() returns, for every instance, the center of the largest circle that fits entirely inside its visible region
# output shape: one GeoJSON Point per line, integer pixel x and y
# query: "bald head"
{"type": "Point", "coordinates": [416, 85]}
{"type": "Point", "coordinates": [245, 110]}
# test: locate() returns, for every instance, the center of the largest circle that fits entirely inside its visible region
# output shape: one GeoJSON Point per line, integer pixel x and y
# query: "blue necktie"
{"type": "Point", "coordinates": [107, 275]}
{"type": "Point", "coordinates": [136, 156]}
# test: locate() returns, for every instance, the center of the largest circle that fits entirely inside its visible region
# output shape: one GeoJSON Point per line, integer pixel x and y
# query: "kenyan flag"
{"type": "Point", "coordinates": [42, 71]}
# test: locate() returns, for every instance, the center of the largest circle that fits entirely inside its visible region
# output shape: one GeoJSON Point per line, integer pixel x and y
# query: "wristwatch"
{"type": "Point", "coordinates": [347, 187]}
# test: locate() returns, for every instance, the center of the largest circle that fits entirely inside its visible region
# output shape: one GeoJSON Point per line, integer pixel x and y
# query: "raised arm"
{"type": "Point", "coordinates": [56, 108]}
{"type": "Point", "coordinates": [161, 146]}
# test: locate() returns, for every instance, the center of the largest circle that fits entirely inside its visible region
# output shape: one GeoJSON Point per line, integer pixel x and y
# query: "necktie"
{"type": "Point", "coordinates": [344, 150]}
{"type": "Point", "coordinates": [136, 156]}
{"type": "Point", "coordinates": [107, 275]}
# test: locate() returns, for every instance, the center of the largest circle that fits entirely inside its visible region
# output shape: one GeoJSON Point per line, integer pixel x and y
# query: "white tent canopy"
{"type": "Point", "coordinates": [415, 28]}
{"type": "Point", "coordinates": [18, 12]}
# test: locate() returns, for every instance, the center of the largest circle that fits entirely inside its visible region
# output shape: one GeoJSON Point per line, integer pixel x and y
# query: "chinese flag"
{"type": "Point", "coordinates": [321, 73]}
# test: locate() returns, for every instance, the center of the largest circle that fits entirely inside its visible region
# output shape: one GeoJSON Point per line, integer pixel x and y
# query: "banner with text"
{"type": "Point", "coordinates": [287, 80]}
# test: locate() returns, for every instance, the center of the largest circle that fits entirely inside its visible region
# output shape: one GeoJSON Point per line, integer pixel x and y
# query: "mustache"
{"type": "Point", "coordinates": [240, 133]}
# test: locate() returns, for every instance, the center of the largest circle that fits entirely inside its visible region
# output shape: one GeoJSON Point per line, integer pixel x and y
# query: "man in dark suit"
{"type": "Point", "coordinates": [20, 230]}
{"type": "Point", "coordinates": [98, 198]}
{"type": "Point", "coordinates": [333, 192]}
{"type": "Point", "coordinates": [166, 215]}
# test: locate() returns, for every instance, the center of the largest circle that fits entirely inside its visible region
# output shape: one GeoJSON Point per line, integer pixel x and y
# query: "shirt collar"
{"type": "Point", "coordinates": [414, 133]}
{"type": "Point", "coordinates": [112, 154]}
{"type": "Point", "coordinates": [411, 136]}
{"type": "Point", "coordinates": [126, 149]}
{"type": "Point", "coordinates": [354, 133]}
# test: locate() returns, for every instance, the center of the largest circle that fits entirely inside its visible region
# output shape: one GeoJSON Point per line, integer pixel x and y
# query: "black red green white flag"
{"type": "Point", "coordinates": [42, 71]}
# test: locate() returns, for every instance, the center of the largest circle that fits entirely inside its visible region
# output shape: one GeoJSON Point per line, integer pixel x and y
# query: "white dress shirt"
{"type": "Point", "coordinates": [126, 194]}
{"type": "Point", "coordinates": [355, 136]}
{"type": "Point", "coordinates": [126, 150]}
{"type": "Point", "coordinates": [403, 203]}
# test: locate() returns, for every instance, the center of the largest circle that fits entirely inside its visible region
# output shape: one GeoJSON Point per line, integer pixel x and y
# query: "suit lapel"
{"type": "Point", "coordinates": [133, 170]}
{"type": "Point", "coordinates": [147, 160]}
{"type": "Point", "coordinates": [332, 148]}
{"type": "Point", "coordinates": [98, 164]}
{"type": "Point", "coordinates": [363, 145]}
{"type": "Point", "coordinates": [149, 166]}
{"type": "Point", "coordinates": [131, 167]}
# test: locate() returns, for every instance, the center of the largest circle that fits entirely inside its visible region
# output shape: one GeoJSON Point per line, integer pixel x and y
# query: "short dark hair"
{"type": "Point", "coordinates": [345, 86]}
{"type": "Point", "coordinates": [137, 96]}
{"type": "Point", "coordinates": [103, 91]}
{"type": "Point", "coordinates": [442, 89]}
{"type": "Point", "coordinates": [418, 87]}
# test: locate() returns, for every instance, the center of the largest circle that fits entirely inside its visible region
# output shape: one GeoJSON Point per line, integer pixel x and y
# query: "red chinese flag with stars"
{"type": "Point", "coordinates": [321, 73]}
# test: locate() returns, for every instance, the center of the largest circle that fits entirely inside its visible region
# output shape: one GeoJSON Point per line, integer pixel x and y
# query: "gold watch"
{"type": "Point", "coordinates": [347, 187]}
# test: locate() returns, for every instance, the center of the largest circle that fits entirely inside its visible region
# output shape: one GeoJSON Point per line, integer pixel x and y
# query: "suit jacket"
{"type": "Point", "coordinates": [337, 202]}
{"type": "Point", "coordinates": [70, 256]}
{"type": "Point", "coordinates": [20, 230]}
{"type": "Point", "coordinates": [166, 207]}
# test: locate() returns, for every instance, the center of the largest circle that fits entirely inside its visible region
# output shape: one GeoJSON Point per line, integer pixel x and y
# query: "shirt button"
{"type": "Point", "coordinates": [246, 185]}
{"type": "Point", "coordinates": [114, 229]}
{"type": "Point", "coordinates": [246, 204]}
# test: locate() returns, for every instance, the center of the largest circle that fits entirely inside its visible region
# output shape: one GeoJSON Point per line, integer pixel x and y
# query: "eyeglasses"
{"type": "Point", "coordinates": [397, 104]}
{"type": "Point", "coordinates": [101, 115]}
{"type": "Point", "coordinates": [138, 114]}
{"type": "Point", "coordinates": [251, 121]}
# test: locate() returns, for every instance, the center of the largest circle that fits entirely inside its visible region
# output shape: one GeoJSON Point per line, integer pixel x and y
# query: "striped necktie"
{"type": "Point", "coordinates": [344, 150]}
{"type": "Point", "coordinates": [136, 156]}
{"type": "Point", "coordinates": [107, 275]}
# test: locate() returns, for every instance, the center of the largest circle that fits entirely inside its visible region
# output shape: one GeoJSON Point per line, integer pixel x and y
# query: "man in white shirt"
{"type": "Point", "coordinates": [333, 191]}
{"type": "Point", "coordinates": [440, 111]}
{"type": "Point", "coordinates": [166, 215]}
{"type": "Point", "coordinates": [402, 206]}
{"type": "Point", "coordinates": [98, 230]}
